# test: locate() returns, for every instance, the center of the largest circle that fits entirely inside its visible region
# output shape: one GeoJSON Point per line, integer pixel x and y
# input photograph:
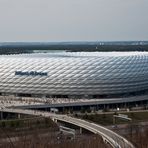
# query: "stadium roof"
{"type": "Point", "coordinates": [76, 54]}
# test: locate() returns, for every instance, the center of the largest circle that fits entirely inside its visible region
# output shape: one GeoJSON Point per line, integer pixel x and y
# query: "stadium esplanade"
{"type": "Point", "coordinates": [74, 74]}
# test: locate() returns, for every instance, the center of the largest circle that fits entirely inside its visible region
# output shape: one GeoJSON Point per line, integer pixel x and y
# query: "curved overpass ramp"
{"type": "Point", "coordinates": [109, 136]}
{"type": "Point", "coordinates": [115, 140]}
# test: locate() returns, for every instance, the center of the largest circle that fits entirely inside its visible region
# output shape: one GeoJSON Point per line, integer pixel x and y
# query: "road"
{"type": "Point", "coordinates": [109, 136]}
{"type": "Point", "coordinates": [86, 102]}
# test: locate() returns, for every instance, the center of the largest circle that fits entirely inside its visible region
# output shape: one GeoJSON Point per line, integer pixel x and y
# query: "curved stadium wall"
{"type": "Point", "coordinates": [77, 73]}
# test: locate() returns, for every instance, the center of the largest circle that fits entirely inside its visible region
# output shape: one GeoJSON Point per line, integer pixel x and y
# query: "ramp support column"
{"type": "Point", "coordinates": [1, 115]}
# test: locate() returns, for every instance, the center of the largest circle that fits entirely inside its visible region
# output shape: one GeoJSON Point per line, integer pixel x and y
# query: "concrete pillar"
{"type": "Point", "coordinates": [104, 106]}
{"type": "Point", "coordinates": [1, 115]}
{"type": "Point", "coordinates": [19, 116]}
{"type": "Point", "coordinates": [114, 120]}
{"type": "Point", "coordinates": [54, 120]}
{"type": "Point", "coordinates": [80, 130]}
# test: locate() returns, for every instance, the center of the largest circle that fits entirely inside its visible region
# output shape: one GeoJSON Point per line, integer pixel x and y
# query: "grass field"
{"type": "Point", "coordinates": [107, 119]}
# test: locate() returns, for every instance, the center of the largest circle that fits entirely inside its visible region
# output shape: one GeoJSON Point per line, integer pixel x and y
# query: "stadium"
{"type": "Point", "coordinates": [74, 74]}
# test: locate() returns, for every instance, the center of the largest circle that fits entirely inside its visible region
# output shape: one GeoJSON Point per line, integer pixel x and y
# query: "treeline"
{"type": "Point", "coordinates": [13, 51]}
{"type": "Point", "coordinates": [39, 132]}
{"type": "Point", "coordinates": [29, 48]}
{"type": "Point", "coordinates": [103, 48]}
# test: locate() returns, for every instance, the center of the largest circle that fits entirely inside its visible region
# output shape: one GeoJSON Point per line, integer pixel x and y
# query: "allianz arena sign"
{"type": "Point", "coordinates": [31, 73]}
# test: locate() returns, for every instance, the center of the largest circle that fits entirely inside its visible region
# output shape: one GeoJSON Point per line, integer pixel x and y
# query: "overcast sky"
{"type": "Point", "coordinates": [73, 20]}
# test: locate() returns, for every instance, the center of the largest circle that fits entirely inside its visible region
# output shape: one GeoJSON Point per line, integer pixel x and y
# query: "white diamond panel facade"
{"type": "Point", "coordinates": [77, 73]}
